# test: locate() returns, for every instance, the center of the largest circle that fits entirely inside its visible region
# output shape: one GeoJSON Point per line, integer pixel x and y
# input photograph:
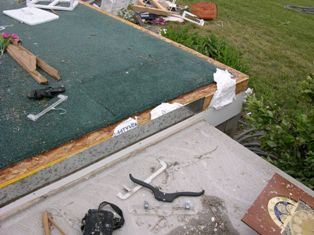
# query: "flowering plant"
{"type": "Point", "coordinates": [6, 39]}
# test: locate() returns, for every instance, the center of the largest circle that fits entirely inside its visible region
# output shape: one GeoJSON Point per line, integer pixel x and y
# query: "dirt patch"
{"type": "Point", "coordinates": [213, 219]}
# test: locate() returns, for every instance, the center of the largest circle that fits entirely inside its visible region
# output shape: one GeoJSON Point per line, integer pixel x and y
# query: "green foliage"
{"type": "Point", "coordinates": [126, 14]}
{"type": "Point", "coordinates": [288, 135]}
{"type": "Point", "coordinates": [5, 39]}
{"type": "Point", "coordinates": [209, 45]}
{"type": "Point", "coordinates": [307, 88]}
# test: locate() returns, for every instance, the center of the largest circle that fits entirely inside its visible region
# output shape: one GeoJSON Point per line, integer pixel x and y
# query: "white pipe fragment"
{"type": "Point", "coordinates": [35, 117]}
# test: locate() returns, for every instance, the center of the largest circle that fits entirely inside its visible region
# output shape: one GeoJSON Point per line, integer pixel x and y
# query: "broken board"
{"type": "Point", "coordinates": [29, 62]}
{"type": "Point", "coordinates": [281, 208]}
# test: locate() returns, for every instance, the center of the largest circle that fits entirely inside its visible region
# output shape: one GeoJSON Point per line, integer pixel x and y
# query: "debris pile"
{"type": "Point", "coordinates": [158, 12]}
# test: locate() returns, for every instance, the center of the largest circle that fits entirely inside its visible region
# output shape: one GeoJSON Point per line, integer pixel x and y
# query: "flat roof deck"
{"type": "Point", "coordinates": [198, 157]}
{"type": "Point", "coordinates": [112, 69]}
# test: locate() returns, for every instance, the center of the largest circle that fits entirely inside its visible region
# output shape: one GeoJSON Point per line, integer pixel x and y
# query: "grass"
{"type": "Point", "coordinates": [276, 43]}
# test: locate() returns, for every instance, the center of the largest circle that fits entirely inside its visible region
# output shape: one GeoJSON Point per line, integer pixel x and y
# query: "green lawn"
{"type": "Point", "coordinates": [277, 44]}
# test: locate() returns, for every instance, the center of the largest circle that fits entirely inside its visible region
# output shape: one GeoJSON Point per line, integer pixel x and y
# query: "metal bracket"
{"type": "Point", "coordinates": [53, 4]}
{"type": "Point", "coordinates": [147, 180]}
{"type": "Point", "coordinates": [34, 117]}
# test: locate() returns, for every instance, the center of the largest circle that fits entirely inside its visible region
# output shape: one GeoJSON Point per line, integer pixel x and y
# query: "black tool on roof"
{"type": "Point", "coordinates": [102, 221]}
{"type": "Point", "coordinates": [48, 92]}
{"type": "Point", "coordinates": [165, 197]}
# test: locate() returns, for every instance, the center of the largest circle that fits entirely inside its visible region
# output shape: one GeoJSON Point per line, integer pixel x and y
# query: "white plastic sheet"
{"type": "Point", "coordinates": [226, 86]}
{"type": "Point", "coordinates": [125, 126]}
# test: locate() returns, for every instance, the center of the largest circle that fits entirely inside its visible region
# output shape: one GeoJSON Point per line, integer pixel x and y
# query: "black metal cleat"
{"type": "Point", "coordinates": [165, 197]}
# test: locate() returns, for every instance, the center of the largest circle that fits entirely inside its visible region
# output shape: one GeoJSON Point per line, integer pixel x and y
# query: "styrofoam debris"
{"type": "Point", "coordinates": [171, 5]}
{"type": "Point", "coordinates": [163, 109]}
{"type": "Point", "coordinates": [31, 15]}
{"type": "Point", "coordinates": [174, 19]}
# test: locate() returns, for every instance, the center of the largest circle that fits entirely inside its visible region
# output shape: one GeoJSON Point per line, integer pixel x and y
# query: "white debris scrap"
{"type": "Point", "coordinates": [163, 109]}
{"type": "Point", "coordinates": [226, 86]}
{"type": "Point", "coordinates": [125, 126]}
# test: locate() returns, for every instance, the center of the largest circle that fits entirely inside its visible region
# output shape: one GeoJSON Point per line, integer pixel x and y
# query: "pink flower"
{"type": "Point", "coordinates": [15, 36]}
{"type": "Point", "coordinates": [5, 35]}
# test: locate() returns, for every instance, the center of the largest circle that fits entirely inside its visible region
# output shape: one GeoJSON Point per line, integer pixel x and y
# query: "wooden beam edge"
{"type": "Point", "coordinates": [139, 8]}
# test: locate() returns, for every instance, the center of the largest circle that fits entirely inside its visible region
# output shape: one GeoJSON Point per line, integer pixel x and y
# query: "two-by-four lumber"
{"type": "Point", "coordinates": [46, 223]}
{"type": "Point", "coordinates": [46, 220]}
{"type": "Point", "coordinates": [156, 11]}
{"type": "Point", "coordinates": [27, 60]}
{"type": "Point", "coordinates": [48, 69]}
{"type": "Point", "coordinates": [158, 5]}
{"type": "Point", "coordinates": [30, 62]}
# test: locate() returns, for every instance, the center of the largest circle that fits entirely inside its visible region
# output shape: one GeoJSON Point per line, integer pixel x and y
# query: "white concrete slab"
{"type": "Point", "coordinates": [199, 157]}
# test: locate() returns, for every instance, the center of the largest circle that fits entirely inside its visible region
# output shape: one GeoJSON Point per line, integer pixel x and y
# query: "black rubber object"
{"type": "Point", "coordinates": [102, 222]}
{"type": "Point", "coordinates": [48, 92]}
{"type": "Point", "coordinates": [165, 197]}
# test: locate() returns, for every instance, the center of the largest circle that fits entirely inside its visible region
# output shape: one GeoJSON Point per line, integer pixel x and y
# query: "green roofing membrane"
{"type": "Point", "coordinates": [110, 71]}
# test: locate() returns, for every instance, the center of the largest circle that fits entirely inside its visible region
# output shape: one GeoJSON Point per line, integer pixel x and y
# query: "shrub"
{"type": "Point", "coordinates": [289, 136]}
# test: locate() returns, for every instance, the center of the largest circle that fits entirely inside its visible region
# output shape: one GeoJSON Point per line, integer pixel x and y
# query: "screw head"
{"type": "Point", "coordinates": [146, 205]}
{"type": "Point", "coordinates": [187, 205]}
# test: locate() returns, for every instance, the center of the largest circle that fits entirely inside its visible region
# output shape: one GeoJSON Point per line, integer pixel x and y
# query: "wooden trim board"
{"type": "Point", "coordinates": [37, 163]}
{"type": "Point", "coordinates": [156, 11]}
{"type": "Point", "coordinates": [28, 62]}
{"type": "Point", "coordinates": [158, 5]}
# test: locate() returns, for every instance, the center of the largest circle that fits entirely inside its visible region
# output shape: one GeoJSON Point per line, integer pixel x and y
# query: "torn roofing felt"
{"type": "Point", "coordinates": [109, 69]}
